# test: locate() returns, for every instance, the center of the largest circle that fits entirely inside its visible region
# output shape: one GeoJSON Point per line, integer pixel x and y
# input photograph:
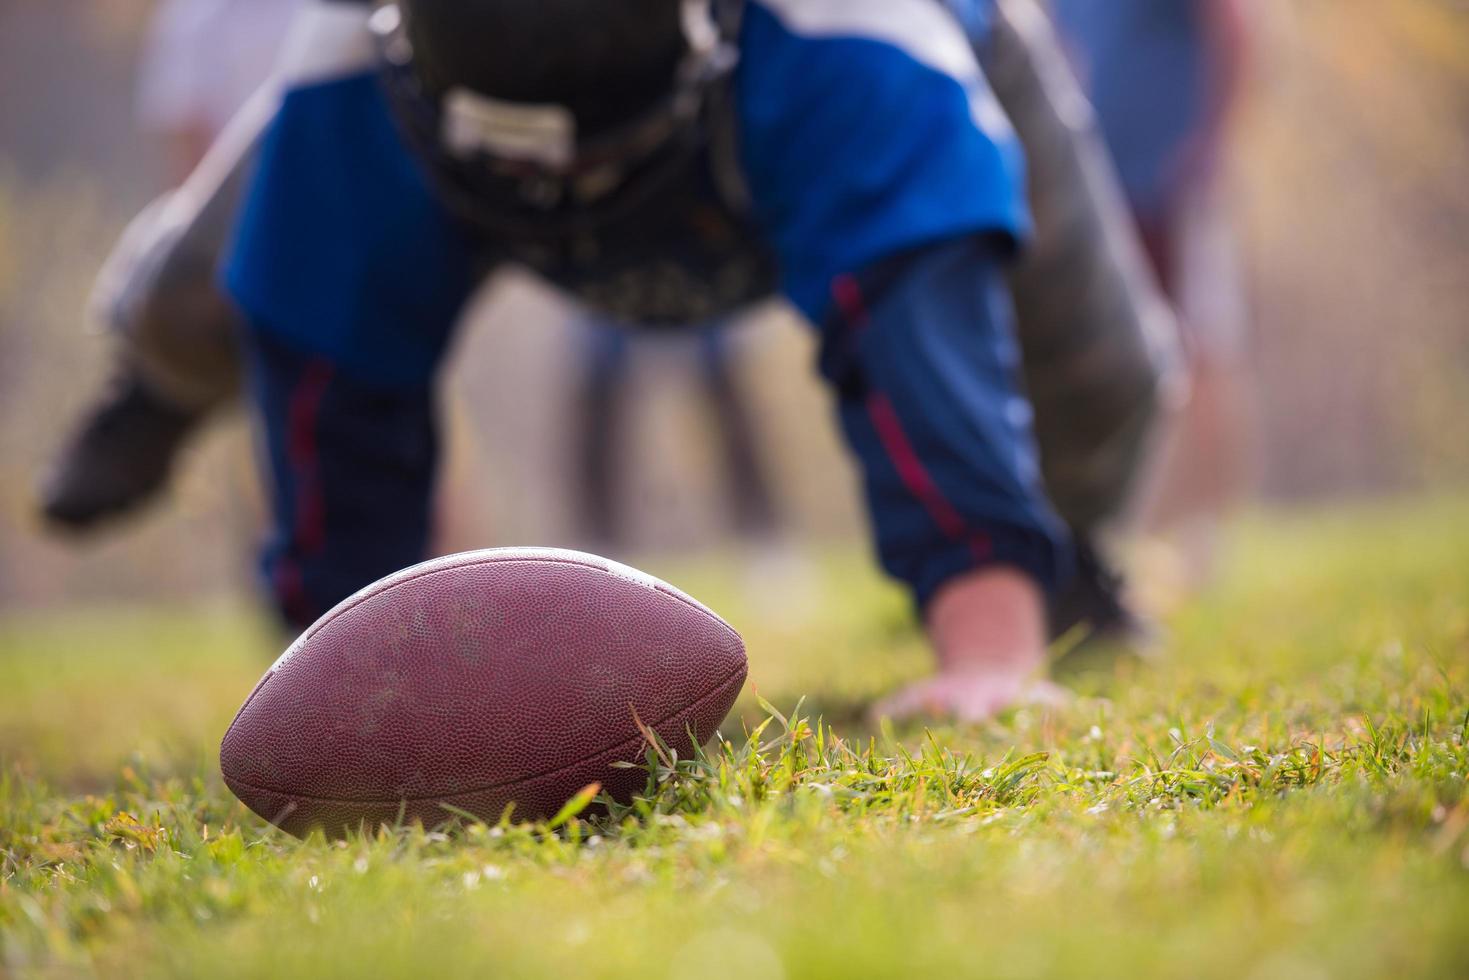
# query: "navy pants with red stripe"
{"type": "Point", "coordinates": [920, 351]}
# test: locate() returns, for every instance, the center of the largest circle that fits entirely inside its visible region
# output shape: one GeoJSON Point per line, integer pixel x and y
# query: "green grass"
{"type": "Point", "coordinates": [1284, 796]}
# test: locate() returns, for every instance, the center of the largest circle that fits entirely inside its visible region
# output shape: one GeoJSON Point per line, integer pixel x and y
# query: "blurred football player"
{"type": "Point", "coordinates": [671, 162]}
{"type": "Point", "coordinates": [1165, 77]}
{"type": "Point", "coordinates": [601, 429]}
{"type": "Point", "coordinates": [203, 62]}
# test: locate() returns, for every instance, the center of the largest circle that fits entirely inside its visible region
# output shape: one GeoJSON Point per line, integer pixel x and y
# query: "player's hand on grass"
{"type": "Point", "coordinates": [988, 629]}
{"type": "Point", "coordinates": [968, 697]}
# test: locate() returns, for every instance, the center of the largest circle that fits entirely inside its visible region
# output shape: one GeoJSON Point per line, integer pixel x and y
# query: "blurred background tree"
{"type": "Point", "coordinates": [1354, 179]}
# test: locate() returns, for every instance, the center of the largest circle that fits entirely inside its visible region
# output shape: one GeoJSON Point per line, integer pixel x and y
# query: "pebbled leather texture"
{"type": "Point", "coordinates": [477, 681]}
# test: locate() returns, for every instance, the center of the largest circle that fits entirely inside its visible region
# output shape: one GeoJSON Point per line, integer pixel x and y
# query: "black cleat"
{"type": "Point", "coordinates": [118, 458]}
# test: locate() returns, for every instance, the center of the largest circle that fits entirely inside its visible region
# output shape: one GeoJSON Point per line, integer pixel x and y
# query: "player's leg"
{"type": "Point", "coordinates": [176, 334]}
{"type": "Point", "coordinates": [1100, 346]}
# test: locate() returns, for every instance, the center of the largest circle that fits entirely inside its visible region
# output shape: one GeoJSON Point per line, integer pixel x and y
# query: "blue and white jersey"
{"type": "Point", "coordinates": [866, 129]}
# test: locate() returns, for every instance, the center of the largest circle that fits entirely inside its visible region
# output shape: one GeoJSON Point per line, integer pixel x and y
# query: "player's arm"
{"type": "Point", "coordinates": [349, 277]}
{"type": "Point", "coordinates": [349, 466]}
{"type": "Point", "coordinates": [921, 353]}
{"type": "Point", "coordinates": [890, 182]}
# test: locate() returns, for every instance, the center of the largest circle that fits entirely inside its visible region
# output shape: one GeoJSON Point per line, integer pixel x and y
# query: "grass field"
{"type": "Point", "coordinates": [1284, 796]}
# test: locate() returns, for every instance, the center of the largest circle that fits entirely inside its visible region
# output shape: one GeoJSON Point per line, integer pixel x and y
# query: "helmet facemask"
{"type": "Point", "coordinates": [501, 159]}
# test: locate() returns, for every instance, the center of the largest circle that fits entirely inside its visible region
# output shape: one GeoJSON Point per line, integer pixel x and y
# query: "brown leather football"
{"type": "Point", "coordinates": [478, 681]}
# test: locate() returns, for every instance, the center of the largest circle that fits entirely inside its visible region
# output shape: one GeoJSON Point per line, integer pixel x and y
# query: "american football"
{"type": "Point", "coordinates": [476, 683]}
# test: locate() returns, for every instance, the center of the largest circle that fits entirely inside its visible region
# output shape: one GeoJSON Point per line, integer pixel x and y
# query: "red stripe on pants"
{"type": "Point", "coordinates": [916, 478]}
{"type": "Point", "coordinates": [308, 532]}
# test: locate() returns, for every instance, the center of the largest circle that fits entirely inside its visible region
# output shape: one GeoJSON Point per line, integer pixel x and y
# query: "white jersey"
{"type": "Point", "coordinates": [204, 58]}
